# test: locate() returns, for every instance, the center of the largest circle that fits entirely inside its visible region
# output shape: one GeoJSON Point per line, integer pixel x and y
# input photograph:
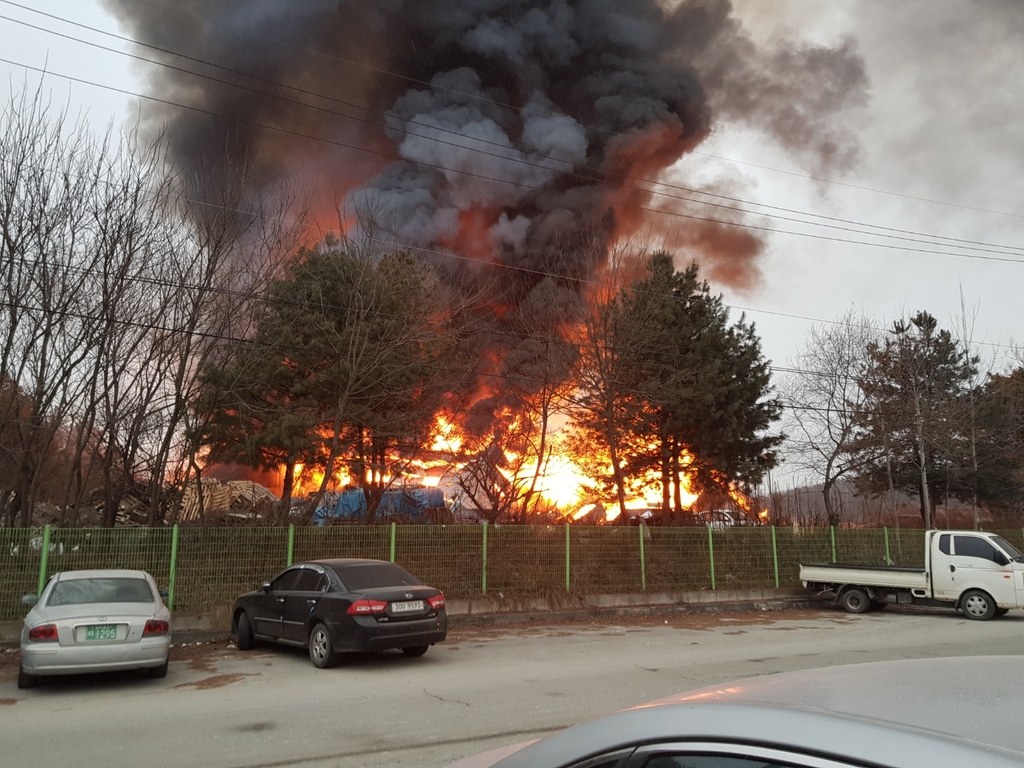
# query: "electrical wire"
{"type": "Point", "coordinates": [470, 174]}
{"type": "Point", "coordinates": [858, 228]}
{"type": "Point", "coordinates": [505, 378]}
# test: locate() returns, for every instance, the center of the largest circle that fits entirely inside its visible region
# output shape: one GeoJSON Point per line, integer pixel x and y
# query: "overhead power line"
{"type": "Point", "coordinates": [827, 222]}
{"type": "Point", "coordinates": [214, 336]}
{"type": "Point", "coordinates": [485, 177]}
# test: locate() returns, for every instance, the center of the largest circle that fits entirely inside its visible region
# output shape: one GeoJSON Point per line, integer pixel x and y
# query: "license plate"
{"type": "Point", "coordinates": [101, 632]}
{"type": "Point", "coordinates": [411, 605]}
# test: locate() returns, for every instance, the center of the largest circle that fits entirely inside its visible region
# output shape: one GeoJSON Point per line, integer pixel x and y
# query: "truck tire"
{"type": "Point", "coordinates": [855, 600]}
{"type": "Point", "coordinates": [978, 605]}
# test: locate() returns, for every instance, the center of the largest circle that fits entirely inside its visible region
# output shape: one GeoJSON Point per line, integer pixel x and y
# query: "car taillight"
{"type": "Point", "coordinates": [156, 627]}
{"type": "Point", "coordinates": [436, 602]}
{"type": "Point", "coordinates": [367, 606]}
{"type": "Point", "coordinates": [44, 632]}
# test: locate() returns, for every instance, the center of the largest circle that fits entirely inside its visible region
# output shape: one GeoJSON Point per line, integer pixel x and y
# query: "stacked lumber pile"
{"type": "Point", "coordinates": [218, 499]}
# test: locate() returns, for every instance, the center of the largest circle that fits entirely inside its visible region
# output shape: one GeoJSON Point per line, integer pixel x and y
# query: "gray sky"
{"type": "Point", "coordinates": [939, 154]}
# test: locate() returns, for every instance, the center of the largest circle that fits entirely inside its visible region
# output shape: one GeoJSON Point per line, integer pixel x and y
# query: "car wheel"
{"type": "Point", "coordinates": [246, 639]}
{"type": "Point", "coordinates": [414, 651]}
{"type": "Point", "coordinates": [855, 600]}
{"type": "Point", "coordinates": [977, 605]}
{"type": "Point", "coordinates": [321, 649]}
{"type": "Point", "coordinates": [158, 672]}
{"type": "Point", "coordinates": [25, 680]}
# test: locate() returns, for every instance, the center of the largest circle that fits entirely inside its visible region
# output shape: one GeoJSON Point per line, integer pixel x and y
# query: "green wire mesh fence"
{"type": "Point", "coordinates": [205, 569]}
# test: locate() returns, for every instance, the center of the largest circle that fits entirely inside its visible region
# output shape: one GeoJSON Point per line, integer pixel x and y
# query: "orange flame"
{"type": "Point", "coordinates": [307, 481]}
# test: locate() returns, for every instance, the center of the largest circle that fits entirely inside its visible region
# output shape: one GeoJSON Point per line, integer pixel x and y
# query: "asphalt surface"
{"type": "Point", "coordinates": [484, 687]}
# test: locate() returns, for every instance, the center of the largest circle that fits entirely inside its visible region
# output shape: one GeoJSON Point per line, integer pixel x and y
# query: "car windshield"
{"type": "Point", "coordinates": [1013, 553]}
{"type": "Point", "coordinates": [368, 575]}
{"type": "Point", "coordinates": [100, 590]}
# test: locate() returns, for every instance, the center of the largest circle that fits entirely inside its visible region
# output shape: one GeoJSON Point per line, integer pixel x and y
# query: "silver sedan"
{"type": "Point", "coordinates": [95, 621]}
{"type": "Point", "coordinates": [940, 713]}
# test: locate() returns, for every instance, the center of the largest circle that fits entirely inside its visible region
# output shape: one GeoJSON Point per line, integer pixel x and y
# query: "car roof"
{"type": "Point", "coordinates": [934, 712]}
{"type": "Point", "coordinates": [339, 562]}
{"type": "Point", "coordinates": [103, 573]}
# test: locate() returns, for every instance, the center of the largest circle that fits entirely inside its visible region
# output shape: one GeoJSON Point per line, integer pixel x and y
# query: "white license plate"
{"type": "Point", "coordinates": [410, 605]}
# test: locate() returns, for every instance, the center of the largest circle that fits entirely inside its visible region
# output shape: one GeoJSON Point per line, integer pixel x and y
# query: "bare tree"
{"type": "Point", "coordinates": [51, 173]}
{"type": "Point", "coordinates": [826, 401]}
{"type": "Point", "coordinates": [121, 280]}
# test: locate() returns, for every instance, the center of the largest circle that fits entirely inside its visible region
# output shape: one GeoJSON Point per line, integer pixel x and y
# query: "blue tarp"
{"type": "Point", "coordinates": [351, 504]}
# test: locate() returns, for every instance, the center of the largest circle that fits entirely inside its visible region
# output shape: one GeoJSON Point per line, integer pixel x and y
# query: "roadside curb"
{"type": "Point", "coordinates": [740, 606]}
{"type": "Point", "coordinates": [498, 611]}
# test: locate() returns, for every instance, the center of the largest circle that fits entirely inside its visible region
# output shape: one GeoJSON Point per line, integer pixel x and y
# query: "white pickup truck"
{"type": "Point", "coordinates": [980, 574]}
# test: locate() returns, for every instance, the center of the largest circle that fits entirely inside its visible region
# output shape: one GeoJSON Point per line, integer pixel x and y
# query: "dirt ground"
{"type": "Point", "coordinates": [202, 654]}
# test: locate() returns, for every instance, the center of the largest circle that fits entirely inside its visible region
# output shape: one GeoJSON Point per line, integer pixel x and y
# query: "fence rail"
{"type": "Point", "coordinates": [205, 569]}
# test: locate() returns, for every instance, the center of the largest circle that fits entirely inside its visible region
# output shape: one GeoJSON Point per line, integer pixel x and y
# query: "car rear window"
{"type": "Point", "coordinates": [100, 590]}
{"type": "Point", "coordinates": [368, 575]}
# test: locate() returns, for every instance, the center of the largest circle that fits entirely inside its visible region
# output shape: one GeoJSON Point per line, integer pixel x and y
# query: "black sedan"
{"type": "Point", "coordinates": [340, 606]}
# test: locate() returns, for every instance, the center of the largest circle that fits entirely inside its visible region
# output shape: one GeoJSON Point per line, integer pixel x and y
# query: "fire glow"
{"type": "Point", "coordinates": [558, 479]}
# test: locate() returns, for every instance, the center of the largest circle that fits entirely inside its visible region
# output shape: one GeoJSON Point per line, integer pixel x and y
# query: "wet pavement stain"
{"type": "Point", "coordinates": [251, 727]}
{"type": "Point", "coordinates": [216, 681]}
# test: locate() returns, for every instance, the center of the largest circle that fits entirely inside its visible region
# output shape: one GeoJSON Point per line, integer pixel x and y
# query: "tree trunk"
{"type": "Point", "coordinates": [287, 488]}
{"type": "Point", "coordinates": [926, 499]}
{"type": "Point", "coordinates": [677, 486]}
{"type": "Point", "coordinates": [666, 472]}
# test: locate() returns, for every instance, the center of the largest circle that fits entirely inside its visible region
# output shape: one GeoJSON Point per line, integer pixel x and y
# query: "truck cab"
{"type": "Point", "coordinates": [982, 572]}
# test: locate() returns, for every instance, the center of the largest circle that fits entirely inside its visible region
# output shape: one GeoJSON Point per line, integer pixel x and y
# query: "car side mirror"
{"type": "Point", "coordinates": [29, 599]}
{"type": "Point", "coordinates": [1001, 559]}
{"type": "Point", "coordinates": [265, 586]}
{"type": "Point", "coordinates": [164, 594]}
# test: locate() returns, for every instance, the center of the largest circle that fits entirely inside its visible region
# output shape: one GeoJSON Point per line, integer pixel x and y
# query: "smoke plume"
{"type": "Point", "coordinates": [519, 138]}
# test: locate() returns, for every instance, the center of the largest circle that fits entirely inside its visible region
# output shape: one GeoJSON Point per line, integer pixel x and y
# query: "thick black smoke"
{"type": "Point", "coordinates": [511, 133]}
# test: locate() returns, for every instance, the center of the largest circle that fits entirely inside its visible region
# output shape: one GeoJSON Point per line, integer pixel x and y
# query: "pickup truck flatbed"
{"type": "Point", "coordinates": [979, 574]}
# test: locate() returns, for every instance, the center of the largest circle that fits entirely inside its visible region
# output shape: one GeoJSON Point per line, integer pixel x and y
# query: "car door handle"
{"type": "Point", "coordinates": [311, 601]}
{"type": "Point", "coordinates": [279, 599]}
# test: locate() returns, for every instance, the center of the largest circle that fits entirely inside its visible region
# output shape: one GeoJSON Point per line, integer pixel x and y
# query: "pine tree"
{"type": "Point", "coordinates": [909, 432]}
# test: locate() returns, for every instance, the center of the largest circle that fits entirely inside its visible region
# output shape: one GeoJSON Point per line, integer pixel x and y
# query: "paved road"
{"type": "Point", "coordinates": [481, 689]}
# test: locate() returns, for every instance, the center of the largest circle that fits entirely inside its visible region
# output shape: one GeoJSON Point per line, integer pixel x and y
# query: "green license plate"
{"type": "Point", "coordinates": [101, 632]}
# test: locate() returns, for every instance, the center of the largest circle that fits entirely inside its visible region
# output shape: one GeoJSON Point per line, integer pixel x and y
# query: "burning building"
{"type": "Point", "coordinates": [509, 143]}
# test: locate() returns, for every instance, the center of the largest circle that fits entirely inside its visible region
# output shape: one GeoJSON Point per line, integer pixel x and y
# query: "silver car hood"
{"type": "Point", "coordinates": [943, 713]}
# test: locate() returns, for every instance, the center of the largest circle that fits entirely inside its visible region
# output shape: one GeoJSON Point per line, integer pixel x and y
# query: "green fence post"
{"type": "Point", "coordinates": [172, 576]}
{"type": "Point", "coordinates": [775, 558]}
{"type": "Point", "coordinates": [711, 557]}
{"type": "Point", "coordinates": [566, 557]}
{"type": "Point", "coordinates": [44, 560]}
{"type": "Point", "coordinates": [394, 528]}
{"type": "Point", "coordinates": [483, 567]}
{"type": "Point", "coordinates": [888, 560]}
{"type": "Point", "coordinates": [291, 545]}
{"type": "Point", "coordinates": [832, 532]}
{"type": "Point", "coordinates": [643, 561]}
